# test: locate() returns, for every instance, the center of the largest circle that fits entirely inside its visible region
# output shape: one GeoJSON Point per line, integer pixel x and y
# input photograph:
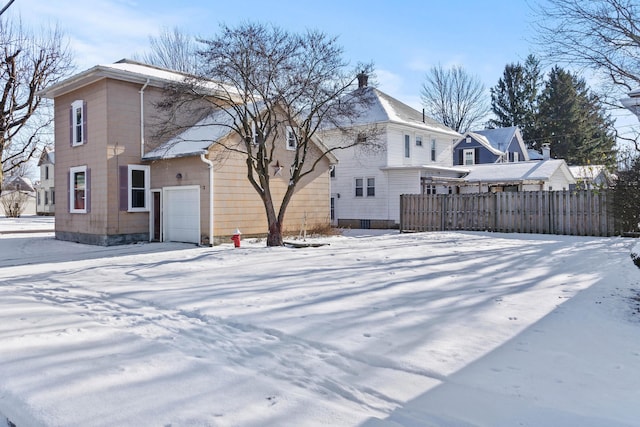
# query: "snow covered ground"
{"type": "Point", "coordinates": [375, 329]}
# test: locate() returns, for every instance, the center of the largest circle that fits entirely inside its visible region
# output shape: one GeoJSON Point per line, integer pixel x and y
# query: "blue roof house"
{"type": "Point", "coordinates": [502, 145]}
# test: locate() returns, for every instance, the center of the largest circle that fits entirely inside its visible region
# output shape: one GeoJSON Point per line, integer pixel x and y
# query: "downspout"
{"type": "Point", "coordinates": [209, 163]}
{"type": "Point", "coordinates": [141, 92]}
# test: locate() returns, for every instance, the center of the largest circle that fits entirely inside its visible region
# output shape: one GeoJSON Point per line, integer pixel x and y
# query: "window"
{"type": "Point", "coordinates": [46, 172]}
{"type": "Point", "coordinates": [407, 146]}
{"type": "Point", "coordinates": [359, 187]}
{"type": "Point", "coordinates": [468, 140]}
{"type": "Point", "coordinates": [138, 188]}
{"type": "Point", "coordinates": [291, 139]}
{"type": "Point", "coordinates": [419, 141]}
{"type": "Point", "coordinates": [333, 208]}
{"type": "Point", "coordinates": [38, 198]}
{"type": "Point", "coordinates": [371, 187]}
{"type": "Point", "coordinates": [433, 150]}
{"type": "Point", "coordinates": [78, 189]}
{"type": "Point", "coordinates": [429, 189]}
{"type": "Point", "coordinates": [78, 123]}
{"type": "Point", "coordinates": [332, 172]}
{"type": "Point", "coordinates": [469, 156]}
{"type": "Point", "coordinates": [53, 197]}
{"type": "Point", "coordinates": [46, 197]}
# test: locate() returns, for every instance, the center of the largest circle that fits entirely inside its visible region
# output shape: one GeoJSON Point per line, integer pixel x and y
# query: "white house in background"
{"type": "Point", "coordinates": [18, 197]}
{"type": "Point", "coordinates": [591, 176]}
{"type": "Point", "coordinates": [543, 175]}
{"type": "Point", "coordinates": [366, 185]}
{"type": "Point", "coordinates": [632, 103]}
{"type": "Point", "coordinates": [46, 190]}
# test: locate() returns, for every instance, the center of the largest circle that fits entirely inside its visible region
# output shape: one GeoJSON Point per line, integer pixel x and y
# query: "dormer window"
{"type": "Point", "coordinates": [78, 123]}
{"type": "Point", "coordinates": [468, 140]}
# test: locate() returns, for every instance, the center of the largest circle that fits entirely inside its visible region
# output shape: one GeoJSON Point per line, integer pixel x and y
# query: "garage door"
{"type": "Point", "coordinates": [181, 209]}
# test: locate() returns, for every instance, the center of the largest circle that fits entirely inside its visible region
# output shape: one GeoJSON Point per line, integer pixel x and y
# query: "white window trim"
{"type": "Point", "coordinates": [147, 185]}
{"type": "Point", "coordinates": [75, 106]}
{"type": "Point", "coordinates": [290, 137]}
{"type": "Point", "coordinates": [365, 186]}
{"type": "Point", "coordinates": [516, 157]}
{"type": "Point", "coordinates": [407, 146]}
{"type": "Point", "coordinates": [433, 152]}
{"type": "Point", "coordinates": [418, 140]}
{"type": "Point", "coordinates": [72, 192]}
{"type": "Point", "coordinates": [473, 156]}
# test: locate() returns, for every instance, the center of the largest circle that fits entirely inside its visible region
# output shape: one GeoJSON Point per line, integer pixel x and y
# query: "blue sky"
{"type": "Point", "coordinates": [403, 38]}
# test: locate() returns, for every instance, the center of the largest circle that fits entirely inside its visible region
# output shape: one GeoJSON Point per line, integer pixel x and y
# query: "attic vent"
{"type": "Point", "coordinates": [468, 140]}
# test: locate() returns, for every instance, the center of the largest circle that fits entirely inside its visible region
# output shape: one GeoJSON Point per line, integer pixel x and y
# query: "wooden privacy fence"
{"type": "Point", "coordinates": [580, 213]}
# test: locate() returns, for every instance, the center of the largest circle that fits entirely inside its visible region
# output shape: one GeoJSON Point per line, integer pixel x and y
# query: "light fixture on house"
{"type": "Point", "coordinates": [178, 175]}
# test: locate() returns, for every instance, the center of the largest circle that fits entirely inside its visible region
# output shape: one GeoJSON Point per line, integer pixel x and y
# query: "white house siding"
{"type": "Point", "coordinates": [400, 182]}
{"type": "Point", "coordinates": [419, 155]}
{"type": "Point", "coordinates": [557, 182]}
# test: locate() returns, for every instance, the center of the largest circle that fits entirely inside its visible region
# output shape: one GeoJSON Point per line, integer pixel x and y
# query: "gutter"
{"type": "Point", "coordinates": [209, 163]}
{"type": "Point", "coordinates": [142, 118]}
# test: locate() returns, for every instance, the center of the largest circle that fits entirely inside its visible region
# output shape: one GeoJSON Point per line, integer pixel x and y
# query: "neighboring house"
{"type": "Point", "coordinates": [632, 103]}
{"type": "Point", "coordinates": [590, 177]}
{"type": "Point", "coordinates": [45, 190]}
{"type": "Point", "coordinates": [18, 197]}
{"type": "Point", "coordinates": [543, 175]}
{"type": "Point", "coordinates": [116, 183]}
{"type": "Point", "coordinates": [501, 145]}
{"type": "Point", "coordinates": [414, 154]}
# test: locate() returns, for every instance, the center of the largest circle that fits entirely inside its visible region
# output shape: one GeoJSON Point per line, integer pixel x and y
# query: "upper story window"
{"type": "Point", "coordinates": [46, 172]}
{"type": "Point", "coordinates": [419, 141]}
{"type": "Point", "coordinates": [79, 190]}
{"type": "Point", "coordinates": [407, 146]}
{"type": "Point", "coordinates": [433, 149]}
{"type": "Point", "coordinates": [138, 188]}
{"type": "Point", "coordinates": [332, 171]}
{"type": "Point", "coordinates": [291, 138]}
{"type": "Point", "coordinates": [371, 187]}
{"type": "Point", "coordinates": [78, 123]}
{"type": "Point", "coordinates": [469, 156]}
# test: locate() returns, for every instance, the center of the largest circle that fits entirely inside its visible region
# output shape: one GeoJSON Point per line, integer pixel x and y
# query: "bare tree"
{"type": "Point", "coordinates": [600, 35]}
{"type": "Point", "coordinates": [28, 64]}
{"type": "Point", "coordinates": [273, 86]}
{"type": "Point", "coordinates": [455, 98]}
{"type": "Point", "coordinates": [173, 49]}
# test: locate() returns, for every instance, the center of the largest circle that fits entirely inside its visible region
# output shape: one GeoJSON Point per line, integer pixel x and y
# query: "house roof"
{"type": "Point", "coordinates": [518, 171]}
{"type": "Point", "coordinates": [534, 154]}
{"type": "Point", "coordinates": [386, 109]}
{"type": "Point", "coordinates": [588, 172]}
{"type": "Point", "coordinates": [197, 139]}
{"type": "Point", "coordinates": [498, 140]}
{"type": "Point", "coordinates": [18, 183]}
{"type": "Point", "coordinates": [126, 70]}
{"type": "Point", "coordinates": [48, 156]}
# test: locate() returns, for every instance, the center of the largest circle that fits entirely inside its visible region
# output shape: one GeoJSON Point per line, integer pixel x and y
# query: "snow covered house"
{"type": "Point", "coordinates": [117, 183]}
{"type": "Point", "coordinates": [18, 196]}
{"type": "Point", "coordinates": [501, 145]}
{"type": "Point", "coordinates": [45, 189]}
{"type": "Point", "coordinates": [543, 175]}
{"type": "Point", "coordinates": [414, 155]}
{"type": "Point", "coordinates": [591, 177]}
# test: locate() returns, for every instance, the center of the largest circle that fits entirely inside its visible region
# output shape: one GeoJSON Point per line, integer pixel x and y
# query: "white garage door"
{"type": "Point", "coordinates": [181, 208]}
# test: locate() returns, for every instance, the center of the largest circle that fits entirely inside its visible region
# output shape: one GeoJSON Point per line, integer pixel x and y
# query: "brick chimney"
{"type": "Point", "coordinates": [363, 80]}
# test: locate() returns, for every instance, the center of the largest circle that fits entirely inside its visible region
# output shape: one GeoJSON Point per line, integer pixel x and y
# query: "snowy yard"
{"type": "Point", "coordinates": [381, 329]}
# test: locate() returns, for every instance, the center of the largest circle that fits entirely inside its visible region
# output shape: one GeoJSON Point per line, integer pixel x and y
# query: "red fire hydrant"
{"type": "Point", "coordinates": [236, 238]}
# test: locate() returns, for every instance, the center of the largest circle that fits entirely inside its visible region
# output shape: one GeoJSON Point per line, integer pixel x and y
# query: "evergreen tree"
{"type": "Point", "coordinates": [514, 98]}
{"type": "Point", "coordinates": [573, 121]}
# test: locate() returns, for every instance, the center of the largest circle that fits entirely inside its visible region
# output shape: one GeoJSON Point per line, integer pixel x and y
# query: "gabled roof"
{"type": "Point", "coordinates": [197, 139]}
{"type": "Point", "coordinates": [48, 156]}
{"type": "Point", "coordinates": [18, 183]}
{"type": "Point", "coordinates": [498, 140]}
{"type": "Point", "coordinates": [386, 109]}
{"type": "Point", "coordinates": [589, 172]}
{"type": "Point", "coordinates": [125, 70]}
{"type": "Point", "coordinates": [518, 171]}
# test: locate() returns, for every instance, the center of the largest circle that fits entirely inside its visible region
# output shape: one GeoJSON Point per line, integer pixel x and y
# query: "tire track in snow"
{"type": "Point", "coordinates": [307, 364]}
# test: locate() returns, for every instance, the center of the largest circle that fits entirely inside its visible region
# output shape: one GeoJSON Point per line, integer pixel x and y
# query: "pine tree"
{"type": "Point", "coordinates": [573, 121]}
{"type": "Point", "coordinates": [514, 98]}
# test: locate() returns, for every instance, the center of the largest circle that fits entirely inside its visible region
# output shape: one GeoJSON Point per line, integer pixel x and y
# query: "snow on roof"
{"type": "Point", "coordinates": [534, 154]}
{"type": "Point", "coordinates": [197, 139]}
{"type": "Point", "coordinates": [518, 171]}
{"type": "Point", "coordinates": [485, 142]}
{"type": "Point", "coordinates": [385, 108]}
{"type": "Point", "coordinates": [499, 138]}
{"type": "Point", "coordinates": [587, 171]}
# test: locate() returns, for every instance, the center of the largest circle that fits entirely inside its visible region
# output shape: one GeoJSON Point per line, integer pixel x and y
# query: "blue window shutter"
{"type": "Point", "coordinates": [124, 188]}
{"type": "Point", "coordinates": [476, 159]}
{"type": "Point", "coordinates": [87, 191]}
{"type": "Point", "coordinates": [461, 157]}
